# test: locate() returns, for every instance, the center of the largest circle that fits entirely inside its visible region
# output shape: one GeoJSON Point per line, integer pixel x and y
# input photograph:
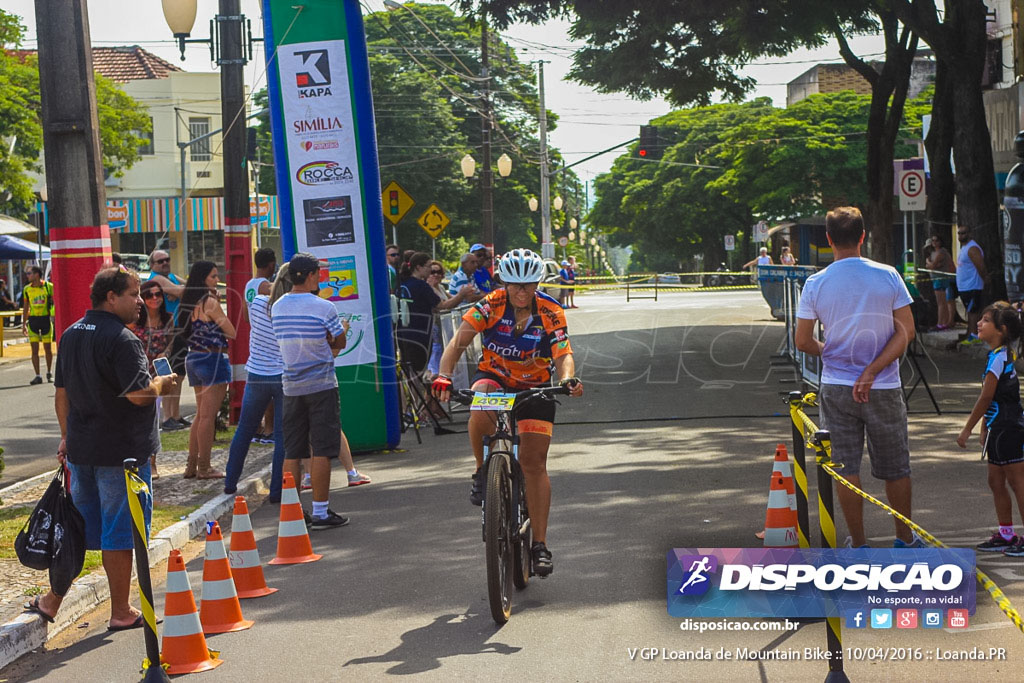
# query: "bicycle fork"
{"type": "Point", "coordinates": [522, 522]}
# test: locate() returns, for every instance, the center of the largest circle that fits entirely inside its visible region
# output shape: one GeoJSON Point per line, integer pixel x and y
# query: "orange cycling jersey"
{"type": "Point", "coordinates": [522, 360]}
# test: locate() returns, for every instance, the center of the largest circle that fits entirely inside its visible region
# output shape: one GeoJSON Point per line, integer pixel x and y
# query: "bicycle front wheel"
{"type": "Point", "coordinates": [521, 547]}
{"type": "Point", "coordinates": [497, 536]}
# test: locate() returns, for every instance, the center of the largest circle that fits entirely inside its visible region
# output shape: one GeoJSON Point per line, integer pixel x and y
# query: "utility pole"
{"type": "Point", "coordinates": [77, 202]}
{"type": "Point", "coordinates": [486, 177]}
{"type": "Point", "coordinates": [237, 229]}
{"type": "Point", "coordinates": [547, 248]}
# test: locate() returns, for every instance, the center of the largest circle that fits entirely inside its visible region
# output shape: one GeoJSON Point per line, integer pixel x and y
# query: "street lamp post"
{"type": "Point", "coordinates": [227, 44]}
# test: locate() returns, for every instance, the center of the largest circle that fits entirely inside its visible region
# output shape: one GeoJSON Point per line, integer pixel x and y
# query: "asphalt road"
{"type": "Point", "coordinates": [670, 447]}
{"type": "Point", "coordinates": [29, 432]}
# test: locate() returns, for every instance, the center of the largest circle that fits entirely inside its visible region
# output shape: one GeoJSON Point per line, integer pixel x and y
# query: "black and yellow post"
{"type": "Point", "coordinates": [826, 520]}
{"type": "Point", "coordinates": [151, 669]}
{"type": "Point", "coordinates": [794, 399]}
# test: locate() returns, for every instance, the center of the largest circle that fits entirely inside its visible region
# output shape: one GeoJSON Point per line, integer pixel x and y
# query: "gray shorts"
{"type": "Point", "coordinates": [312, 422]}
{"type": "Point", "coordinates": [883, 418]}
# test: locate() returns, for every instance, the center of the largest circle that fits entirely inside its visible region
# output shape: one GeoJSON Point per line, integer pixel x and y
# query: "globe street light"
{"type": "Point", "coordinates": [181, 17]}
{"type": "Point", "coordinates": [533, 203]}
{"type": "Point", "coordinates": [573, 223]}
{"type": "Point", "coordinates": [557, 203]}
{"type": "Point", "coordinates": [572, 236]}
{"type": "Point", "coordinates": [504, 165]}
{"type": "Point", "coordinates": [468, 165]}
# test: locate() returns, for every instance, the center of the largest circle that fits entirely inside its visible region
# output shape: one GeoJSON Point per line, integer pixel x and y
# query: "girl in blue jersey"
{"type": "Point", "coordinates": [1002, 431]}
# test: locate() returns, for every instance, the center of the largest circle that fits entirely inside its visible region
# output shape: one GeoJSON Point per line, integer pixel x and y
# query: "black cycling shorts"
{"type": "Point", "coordinates": [39, 324]}
{"type": "Point", "coordinates": [534, 409]}
{"type": "Point", "coordinates": [1005, 446]}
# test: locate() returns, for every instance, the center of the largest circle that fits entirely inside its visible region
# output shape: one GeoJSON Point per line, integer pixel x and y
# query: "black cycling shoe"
{"type": "Point", "coordinates": [542, 564]}
{"type": "Point", "coordinates": [476, 494]}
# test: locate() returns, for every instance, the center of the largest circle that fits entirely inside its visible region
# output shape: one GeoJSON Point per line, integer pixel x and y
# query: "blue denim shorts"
{"type": "Point", "coordinates": [101, 496]}
{"type": "Point", "coordinates": [205, 369]}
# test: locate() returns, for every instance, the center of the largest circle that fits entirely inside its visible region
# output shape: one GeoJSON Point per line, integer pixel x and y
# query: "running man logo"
{"type": "Point", "coordinates": [314, 73]}
{"type": "Point", "coordinates": [697, 581]}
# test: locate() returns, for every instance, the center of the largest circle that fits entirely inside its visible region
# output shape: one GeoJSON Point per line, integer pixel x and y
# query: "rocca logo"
{"type": "Point", "coordinates": [313, 78]}
{"type": "Point", "coordinates": [324, 172]}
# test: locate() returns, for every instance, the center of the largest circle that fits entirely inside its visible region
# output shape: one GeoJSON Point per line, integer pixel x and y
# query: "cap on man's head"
{"type": "Point", "coordinates": [300, 266]}
{"type": "Point", "coordinates": [477, 247]}
{"type": "Point", "coordinates": [565, 263]}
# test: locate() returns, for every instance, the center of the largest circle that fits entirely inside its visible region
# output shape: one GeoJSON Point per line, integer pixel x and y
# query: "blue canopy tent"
{"type": "Point", "coordinates": [14, 249]}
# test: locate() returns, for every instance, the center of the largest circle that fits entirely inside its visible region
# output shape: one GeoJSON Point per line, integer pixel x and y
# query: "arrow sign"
{"type": "Point", "coordinates": [433, 221]}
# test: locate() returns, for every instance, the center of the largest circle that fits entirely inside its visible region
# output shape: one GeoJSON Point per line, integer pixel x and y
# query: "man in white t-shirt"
{"type": "Point", "coordinates": [265, 261]}
{"type": "Point", "coordinates": [864, 308]}
{"type": "Point", "coordinates": [971, 280]}
{"type": "Point", "coordinates": [310, 335]}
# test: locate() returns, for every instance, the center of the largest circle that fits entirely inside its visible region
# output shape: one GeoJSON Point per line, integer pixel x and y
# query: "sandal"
{"type": "Point", "coordinates": [210, 474]}
{"type": "Point", "coordinates": [33, 606]}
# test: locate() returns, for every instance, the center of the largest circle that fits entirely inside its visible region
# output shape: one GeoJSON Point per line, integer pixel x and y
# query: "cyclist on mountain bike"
{"type": "Point", "coordinates": [524, 332]}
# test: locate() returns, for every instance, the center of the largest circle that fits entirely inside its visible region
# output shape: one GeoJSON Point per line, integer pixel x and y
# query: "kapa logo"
{"type": "Point", "coordinates": [699, 568]}
{"type": "Point", "coordinates": [314, 74]}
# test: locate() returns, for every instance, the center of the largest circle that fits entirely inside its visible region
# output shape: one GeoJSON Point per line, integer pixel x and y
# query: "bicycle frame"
{"type": "Point", "coordinates": [505, 431]}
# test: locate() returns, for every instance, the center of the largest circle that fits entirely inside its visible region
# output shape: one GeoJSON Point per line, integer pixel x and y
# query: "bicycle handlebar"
{"type": "Point", "coordinates": [465, 396]}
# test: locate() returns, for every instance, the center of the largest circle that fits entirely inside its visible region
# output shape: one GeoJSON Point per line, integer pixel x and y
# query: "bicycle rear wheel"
{"type": "Point", "coordinates": [497, 536]}
{"type": "Point", "coordinates": [521, 547]}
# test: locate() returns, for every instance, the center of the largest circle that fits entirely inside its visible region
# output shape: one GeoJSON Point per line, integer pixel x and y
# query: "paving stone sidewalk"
{"type": "Point", "coordinates": [17, 582]}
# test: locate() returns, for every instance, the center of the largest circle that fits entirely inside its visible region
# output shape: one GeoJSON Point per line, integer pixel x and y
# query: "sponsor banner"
{"type": "Point", "coordinates": [326, 199]}
{"type": "Point", "coordinates": [817, 582]}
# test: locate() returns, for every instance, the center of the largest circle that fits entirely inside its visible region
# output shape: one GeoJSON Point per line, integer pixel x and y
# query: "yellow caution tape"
{"type": "Point", "coordinates": [807, 427]}
{"type": "Point", "coordinates": [137, 487]}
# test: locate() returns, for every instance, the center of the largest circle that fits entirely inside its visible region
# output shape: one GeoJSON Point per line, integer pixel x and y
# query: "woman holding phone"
{"type": "Point", "coordinates": [155, 330]}
{"type": "Point", "coordinates": [206, 330]}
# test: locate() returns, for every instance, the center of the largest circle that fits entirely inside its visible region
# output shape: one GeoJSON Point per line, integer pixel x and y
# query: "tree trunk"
{"type": "Point", "coordinates": [888, 97]}
{"type": "Point", "coordinates": [939, 144]}
{"type": "Point", "coordinates": [977, 197]}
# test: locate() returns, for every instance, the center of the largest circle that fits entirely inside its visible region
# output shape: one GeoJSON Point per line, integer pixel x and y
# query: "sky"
{"type": "Point", "coordinates": [589, 121]}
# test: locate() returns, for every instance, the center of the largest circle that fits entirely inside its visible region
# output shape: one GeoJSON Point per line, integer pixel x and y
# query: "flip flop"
{"type": "Point", "coordinates": [34, 607]}
{"type": "Point", "coordinates": [139, 621]}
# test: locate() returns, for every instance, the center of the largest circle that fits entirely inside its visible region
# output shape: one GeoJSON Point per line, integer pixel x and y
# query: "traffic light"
{"type": "Point", "coordinates": [650, 145]}
{"type": "Point", "coordinates": [393, 202]}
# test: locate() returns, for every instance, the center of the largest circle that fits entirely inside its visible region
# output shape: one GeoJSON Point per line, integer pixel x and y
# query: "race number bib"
{"type": "Point", "coordinates": [493, 402]}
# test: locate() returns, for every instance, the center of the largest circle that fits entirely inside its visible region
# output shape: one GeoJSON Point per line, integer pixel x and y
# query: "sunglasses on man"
{"type": "Point", "coordinates": [160, 262]}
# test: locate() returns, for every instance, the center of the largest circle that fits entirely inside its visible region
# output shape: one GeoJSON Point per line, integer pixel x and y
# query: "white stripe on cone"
{"type": "Point", "coordinates": [241, 523]}
{"type": "Point", "coordinates": [244, 559]}
{"type": "Point", "coordinates": [219, 590]}
{"type": "Point", "coordinates": [294, 528]}
{"type": "Point", "coordinates": [215, 550]}
{"type": "Point", "coordinates": [182, 625]}
{"type": "Point", "coordinates": [780, 537]}
{"type": "Point", "coordinates": [778, 499]}
{"type": "Point", "coordinates": [289, 496]}
{"type": "Point", "coordinates": [177, 582]}
{"type": "Point", "coordinates": [784, 467]}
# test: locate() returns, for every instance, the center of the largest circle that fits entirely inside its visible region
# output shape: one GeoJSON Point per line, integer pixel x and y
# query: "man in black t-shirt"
{"type": "Point", "coordinates": [105, 405]}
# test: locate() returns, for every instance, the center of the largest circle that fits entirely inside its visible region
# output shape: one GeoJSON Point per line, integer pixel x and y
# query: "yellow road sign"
{"type": "Point", "coordinates": [433, 221]}
{"type": "Point", "coordinates": [397, 202]}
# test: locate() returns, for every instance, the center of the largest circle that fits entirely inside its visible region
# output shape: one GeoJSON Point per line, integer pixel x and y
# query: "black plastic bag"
{"type": "Point", "coordinates": [54, 536]}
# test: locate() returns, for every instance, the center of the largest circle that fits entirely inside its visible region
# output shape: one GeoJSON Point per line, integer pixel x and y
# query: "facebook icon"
{"type": "Point", "coordinates": [856, 619]}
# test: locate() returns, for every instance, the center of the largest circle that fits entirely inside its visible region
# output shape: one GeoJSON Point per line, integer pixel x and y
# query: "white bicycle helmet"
{"type": "Point", "coordinates": [521, 266]}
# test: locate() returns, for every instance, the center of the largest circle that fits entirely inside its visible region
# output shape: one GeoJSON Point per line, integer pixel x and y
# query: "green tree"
{"type": "Point", "coordinates": [121, 119]}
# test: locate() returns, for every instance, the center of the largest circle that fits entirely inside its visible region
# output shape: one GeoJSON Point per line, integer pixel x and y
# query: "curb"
{"type": "Point", "coordinates": [27, 631]}
{"type": "Point", "coordinates": [26, 483]}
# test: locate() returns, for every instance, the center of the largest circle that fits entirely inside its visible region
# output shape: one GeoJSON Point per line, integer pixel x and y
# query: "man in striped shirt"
{"type": "Point", "coordinates": [310, 335]}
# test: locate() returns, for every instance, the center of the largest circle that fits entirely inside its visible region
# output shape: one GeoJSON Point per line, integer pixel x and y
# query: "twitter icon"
{"type": "Point", "coordinates": [881, 618]}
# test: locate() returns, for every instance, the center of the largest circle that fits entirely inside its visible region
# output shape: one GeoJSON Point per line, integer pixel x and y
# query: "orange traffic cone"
{"type": "Point", "coordinates": [293, 546]}
{"type": "Point", "coordinates": [782, 463]}
{"type": "Point", "coordinates": [219, 610]}
{"type": "Point", "coordinates": [184, 645]}
{"type": "Point", "coordinates": [780, 521]}
{"type": "Point", "coordinates": [246, 569]}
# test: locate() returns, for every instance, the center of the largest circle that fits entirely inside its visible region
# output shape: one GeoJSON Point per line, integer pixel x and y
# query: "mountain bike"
{"type": "Point", "coordinates": [506, 521]}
